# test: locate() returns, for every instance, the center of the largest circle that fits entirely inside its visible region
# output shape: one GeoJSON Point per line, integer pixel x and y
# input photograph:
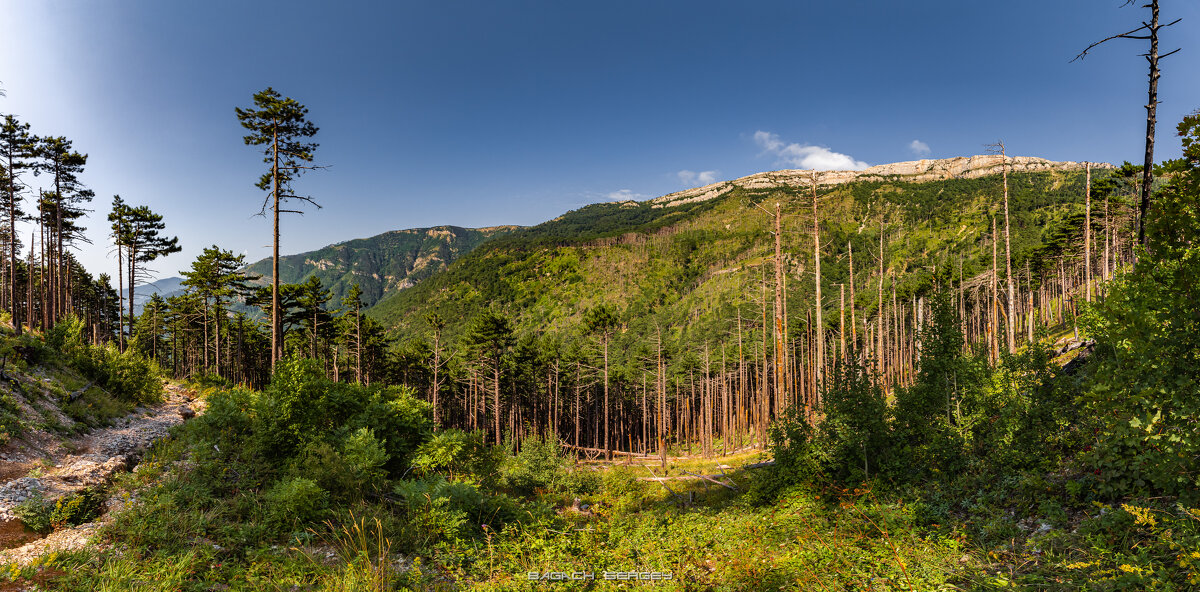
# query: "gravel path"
{"type": "Point", "coordinates": [84, 461]}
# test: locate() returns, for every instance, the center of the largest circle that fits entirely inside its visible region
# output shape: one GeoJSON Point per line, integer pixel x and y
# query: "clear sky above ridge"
{"type": "Point", "coordinates": [487, 113]}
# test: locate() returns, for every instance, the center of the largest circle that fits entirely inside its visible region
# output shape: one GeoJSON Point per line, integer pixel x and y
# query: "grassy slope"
{"type": "Point", "coordinates": [688, 267]}
{"type": "Point", "coordinates": [380, 264]}
{"type": "Point", "coordinates": [43, 392]}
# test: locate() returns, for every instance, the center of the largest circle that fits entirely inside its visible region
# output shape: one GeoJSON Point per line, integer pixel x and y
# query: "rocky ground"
{"type": "Point", "coordinates": [40, 463]}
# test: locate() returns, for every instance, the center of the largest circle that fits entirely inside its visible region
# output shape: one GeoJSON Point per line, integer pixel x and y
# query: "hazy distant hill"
{"type": "Point", "coordinates": [380, 264]}
{"type": "Point", "coordinates": [165, 287]}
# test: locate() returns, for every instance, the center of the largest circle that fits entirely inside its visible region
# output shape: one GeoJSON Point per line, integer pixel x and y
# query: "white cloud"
{"type": "Point", "coordinates": [919, 148]}
{"type": "Point", "coordinates": [696, 179]}
{"type": "Point", "coordinates": [624, 195]}
{"type": "Point", "coordinates": [805, 156]}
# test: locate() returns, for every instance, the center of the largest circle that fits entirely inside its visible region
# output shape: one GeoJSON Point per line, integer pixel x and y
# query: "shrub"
{"type": "Point", "coordinates": [295, 501]}
{"type": "Point", "coordinates": [327, 467]}
{"type": "Point", "coordinates": [437, 509]}
{"type": "Point", "coordinates": [95, 407]}
{"type": "Point", "coordinates": [443, 509]}
{"type": "Point", "coordinates": [538, 463]}
{"type": "Point", "coordinates": [456, 454]}
{"type": "Point", "coordinates": [579, 481]}
{"type": "Point", "coordinates": [854, 433]}
{"type": "Point", "coordinates": [1146, 386]}
{"type": "Point", "coordinates": [10, 419]}
{"type": "Point", "coordinates": [127, 375]}
{"type": "Point", "coordinates": [301, 406]}
{"type": "Point", "coordinates": [790, 440]}
{"type": "Point", "coordinates": [77, 508]}
{"type": "Point", "coordinates": [35, 512]}
{"type": "Point", "coordinates": [934, 415]}
{"type": "Point", "coordinates": [42, 515]}
{"type": "Point", "coordinates": [365, 456]}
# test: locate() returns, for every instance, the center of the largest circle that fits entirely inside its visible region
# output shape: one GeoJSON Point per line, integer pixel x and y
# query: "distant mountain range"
{"type": "Point", "coordinates": [380, 264]}
{"type": "Point", "coordinates": [165, 287]}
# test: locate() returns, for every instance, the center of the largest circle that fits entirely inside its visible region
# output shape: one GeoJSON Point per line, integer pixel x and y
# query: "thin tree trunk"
{"type": "Point", "coordinates": [1010, 330]}
{"type": "Point", "coordinates": [1087, 234]}
{"type": "Point", "coordinates": [276, 338]}
{"type": "Point", "coordinates": [1151, 116]}
{"type": "Point", "coordinates": [853, 318]}
{"type": "Point", "coordinates": [779, 359]}
{"type": "Point", "coordinates": [819, 332]}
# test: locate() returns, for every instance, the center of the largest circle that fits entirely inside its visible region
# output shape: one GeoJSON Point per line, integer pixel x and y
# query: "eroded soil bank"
{"type": "Point", "coordinates": [45, 465]}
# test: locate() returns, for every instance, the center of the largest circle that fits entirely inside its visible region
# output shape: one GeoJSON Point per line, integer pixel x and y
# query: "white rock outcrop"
{"type": "Point", "coordinates": [960, 167]}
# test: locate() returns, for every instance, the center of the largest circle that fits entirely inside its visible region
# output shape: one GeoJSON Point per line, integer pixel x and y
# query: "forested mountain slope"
{"type": "Point", "coordinates": [380, 264]}
{"type": "Point", "coordinates": [699, 263]}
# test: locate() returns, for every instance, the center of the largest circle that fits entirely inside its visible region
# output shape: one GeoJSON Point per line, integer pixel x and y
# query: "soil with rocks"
{"type": "Point", "coordinates": [38, 463]}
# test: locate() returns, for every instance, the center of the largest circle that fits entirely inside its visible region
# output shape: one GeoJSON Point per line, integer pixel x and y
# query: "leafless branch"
{"type": "Point", "coordinates": [1125, 35]}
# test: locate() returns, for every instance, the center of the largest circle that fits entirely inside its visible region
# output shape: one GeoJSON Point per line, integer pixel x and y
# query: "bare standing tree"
{"type": "Point", "coordinates": [1151, 33]}
{"type": "Point", "coordinates": [819, 333]}
{"type": "Point", "coordinates": [998, 148]}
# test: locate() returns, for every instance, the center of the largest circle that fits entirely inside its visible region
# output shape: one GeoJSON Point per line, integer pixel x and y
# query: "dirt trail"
{"type": "Point", "coordinates": [42, 464]}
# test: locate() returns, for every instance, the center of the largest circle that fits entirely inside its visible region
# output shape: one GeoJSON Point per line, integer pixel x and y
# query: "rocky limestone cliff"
{"type": "Point", "coordinates": [959, 167]}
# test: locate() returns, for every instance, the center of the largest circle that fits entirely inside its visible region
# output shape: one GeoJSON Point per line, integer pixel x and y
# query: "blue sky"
{"type": "Point", "coordinates": [486, 113]}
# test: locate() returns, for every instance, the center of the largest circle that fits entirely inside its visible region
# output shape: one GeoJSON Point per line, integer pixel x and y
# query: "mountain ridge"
{"type": "Point", "coordinates": [924, 170]}
{"type": "Point", "coordinates": [685, 261]}
{"type": "Point", "coordinates": [379, 264]}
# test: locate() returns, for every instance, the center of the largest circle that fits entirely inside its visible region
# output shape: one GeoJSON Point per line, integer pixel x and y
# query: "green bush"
{"type": "Point", "coordinates": [855, 432]}
{"type": "Point", "coordinates": [10, 419]}
{"type": "Point", "coordinates": [35, 512]}
{"type": "Point", "coordinates": [538, 464]}
{"type": "Point", "coordinates": [325, 465]}
{"type": "Point", "coordinates": [456, 454]}
{"type": "Point", "coordinates": [128, 375]}
{"type": "Point", "coordinates": [1146, 386]}
{"type": "Point", "coordinates": [301, 405]}
{"type": "Point", "coordinates": [441, 509]}
{"type": "Point", "coordinates": [365, 456]}
{"type": "Point", "coordinates": [791, 442]}
{"type": "Point", "coordinates": [294, 502]}
{"type": "Point", "coordinates": [95, 407]}
{"type": "Point", "coordinates": [77, 508]}
{"type": "Point", "coordinates": [933, 416]}
{"type": "Point", "coordinates": [579, 481]}
{"type": "Point", "coordinates": [437, 509]}
{"type": "Point", "coordinates": [42, 515]}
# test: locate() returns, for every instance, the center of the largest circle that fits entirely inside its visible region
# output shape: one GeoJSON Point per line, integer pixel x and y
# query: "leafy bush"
{"type": "Point", "coordinates": [539, 463]}
{"type": "Point", "coordinates": [365, 456]}
{"type": "Point", "coordinates": [1146, 386]}
{"type": "Point", "coordinates": [855, 431]}
{"type": "Point", "coordinates": [10, 419]}
{"type": "Point", "coordinates": [934, 414]}
{"type": "Point", "coordinates": [95, 407]}
{"type": "Point", "coordinates": [35, 512]}
{"type": "Point", "coordinates": [441, 510]}
{"type": "Point", "coordinates": [125, 374]}
{"type": "Point", "coordinates": [42, 515]}
{"type": "Point", "coordinates": [324, 464]}
{"type": "Point", "coordinates": [579, 481]}
{"type": "Point", "coordinates": [456, 454]}
{"type": "Point", "coordinates": [791, 441]}
{"type": "Point", "coordinates": [301, 405]}
{"type": "Point", "coordinates": [77, 508]}
{"type": "Point", "coordinates": [295, 501]}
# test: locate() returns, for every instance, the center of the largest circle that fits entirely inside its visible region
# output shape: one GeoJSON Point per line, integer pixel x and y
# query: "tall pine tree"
{"type": "Point", "coordinates": [279, 124]}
